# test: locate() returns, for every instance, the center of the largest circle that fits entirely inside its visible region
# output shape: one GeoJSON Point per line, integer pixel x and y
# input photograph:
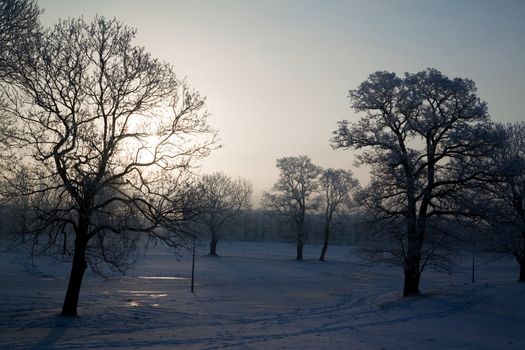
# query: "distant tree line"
{"type": "Point", "coordinates": [260, 225]}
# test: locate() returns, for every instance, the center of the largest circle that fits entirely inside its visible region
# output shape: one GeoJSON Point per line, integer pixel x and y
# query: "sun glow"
{"type": "Point", "coordinates": [148, 142]}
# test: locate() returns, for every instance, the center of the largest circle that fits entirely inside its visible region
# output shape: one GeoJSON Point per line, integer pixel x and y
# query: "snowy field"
{"type": "Point", "coordinates": [256, 296]}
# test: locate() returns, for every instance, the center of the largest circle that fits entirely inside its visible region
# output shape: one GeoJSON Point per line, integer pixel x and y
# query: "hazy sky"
{"type": "Point", "coordinates": [277, 73]}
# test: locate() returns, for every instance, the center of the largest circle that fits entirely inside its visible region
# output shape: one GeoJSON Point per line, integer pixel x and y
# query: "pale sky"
{"type": "Point", "coordinates": [277, 73]}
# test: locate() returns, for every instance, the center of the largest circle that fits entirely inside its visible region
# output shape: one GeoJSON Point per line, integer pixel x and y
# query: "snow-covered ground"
{"type": "Point", "coordinates": [256, 296]}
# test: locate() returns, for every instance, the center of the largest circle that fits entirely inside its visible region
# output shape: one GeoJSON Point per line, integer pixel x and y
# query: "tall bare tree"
{"type": "Point", "coordinates": [420, 135]}
{"type": "Point", "coordinates": [503, 203]}
{"type": "Point", "coordinates": [222, 198]}
{"type": "Point", "coordinates": [293, 195]}
{"type": "Point", "coordinates": [336, 192]}
{"type": "Point", "coordinates": [106, 135]}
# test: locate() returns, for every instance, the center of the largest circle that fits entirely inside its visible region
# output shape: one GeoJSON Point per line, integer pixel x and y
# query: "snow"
{"type": "Point", "coordinates": [256, 296]}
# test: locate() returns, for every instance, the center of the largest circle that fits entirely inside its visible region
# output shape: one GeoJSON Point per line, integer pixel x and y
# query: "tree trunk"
{"type": "Point", "coordinates": [78, 268]}
{"type": "Point", "coordinates": [412, 264]}
{"type": "Point", "coordinates": [300, 237]}
{"type": "Point", "coordinates": [323, 251]}
{"type": "Point", "coordinates": [325, 243]}
{"type": "Point", "coordinates": [413, 255]}
{"type": "Point", "coordinates": [213, 241]}
{"type": "Point", "coordinates": [299, 250]}
{"type": "Point", "coordinates": [411, 286]}
{"type": "Point", "coordinates": [213, 247]}
{"type": "Point", "coordinates": [412, 276]}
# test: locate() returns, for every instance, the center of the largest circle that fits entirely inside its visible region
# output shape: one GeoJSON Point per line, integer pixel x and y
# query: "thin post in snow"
{"type": "Point", "coordinates": [193, 265]}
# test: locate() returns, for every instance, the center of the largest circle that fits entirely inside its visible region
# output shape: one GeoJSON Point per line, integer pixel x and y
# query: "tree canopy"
{"type": "Point", "coordinates": [293, 194]}
{"type": "Point", "coordinates": [422, 136]}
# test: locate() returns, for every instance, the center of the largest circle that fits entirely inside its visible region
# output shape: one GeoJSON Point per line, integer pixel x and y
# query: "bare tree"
{"type": "Point", "coordinates": [503, 203]}
{"type": "Point", "coordinates": [336, 192]}
{"type": "Point", "coordinates": [222, 198]}
{"type": "Point", "coordinates": [292, 196]}
{"type": "Point", "coordinates": [106, 135]}
{"type": "Point", "coordinates": [421, 134]}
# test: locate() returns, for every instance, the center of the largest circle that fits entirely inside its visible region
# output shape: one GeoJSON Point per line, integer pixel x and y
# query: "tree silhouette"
{"type": "Point", "coordinates": [421, 135]}
{"type": "Point", "coordinates": [292, 196]}
{"type": "Point", "coordinates": [105, 136]}
{"type": "Point", "coordinates": [501, 194]}
{"type": "Point", "coordinates": [222, 198]}
{"type": "Point", "coordinates": [336, 187]}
